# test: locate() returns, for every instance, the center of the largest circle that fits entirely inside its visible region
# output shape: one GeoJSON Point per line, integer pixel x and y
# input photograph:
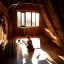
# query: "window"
{"type": "Point", "coordinates": [27, 19]}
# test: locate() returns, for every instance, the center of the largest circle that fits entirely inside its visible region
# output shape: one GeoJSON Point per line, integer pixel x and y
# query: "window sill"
{"type": "Point", "coordinates": [29, 27]}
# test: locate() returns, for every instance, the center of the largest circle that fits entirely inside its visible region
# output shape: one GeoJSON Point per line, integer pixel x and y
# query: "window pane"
{"type": "Point", "coordinates": [23, 19]}
{"type": "Point", "coordinates": [33, 19]}
{"type": "Point", "coordinates": [37, 19]}
{"type": "Point", "coordinates": [18, 19]}
{"type": "Point", "coordinates": [28, 18]}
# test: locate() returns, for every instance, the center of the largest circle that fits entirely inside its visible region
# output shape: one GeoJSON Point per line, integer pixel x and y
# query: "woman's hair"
{"type": "Point", "coordinates": [28, 36]}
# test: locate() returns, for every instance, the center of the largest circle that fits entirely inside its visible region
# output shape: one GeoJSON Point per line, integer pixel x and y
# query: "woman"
{"type": "Point", "coordinates": [29, 44]}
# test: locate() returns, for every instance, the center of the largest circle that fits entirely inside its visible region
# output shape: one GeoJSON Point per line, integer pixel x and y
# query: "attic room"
{"type": "Point", "coordinates": [31, 32]}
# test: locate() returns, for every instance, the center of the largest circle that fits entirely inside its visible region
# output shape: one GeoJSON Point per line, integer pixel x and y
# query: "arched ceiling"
{"type": "Point", "coordinates": [8, 3]}
{"type": "Point", "coordinates": [57, 4]}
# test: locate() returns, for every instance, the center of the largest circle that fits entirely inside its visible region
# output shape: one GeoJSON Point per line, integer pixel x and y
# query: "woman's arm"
{"type": "Point", "coordinates": [24, 42]}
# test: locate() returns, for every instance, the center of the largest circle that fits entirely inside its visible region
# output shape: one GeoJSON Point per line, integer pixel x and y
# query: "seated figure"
{"type": "Point", "coordinates": [29, 44]}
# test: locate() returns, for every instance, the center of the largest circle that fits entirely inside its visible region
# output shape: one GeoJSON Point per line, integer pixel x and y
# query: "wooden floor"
{"type": "Point", "coordinates": [38, 57]}
{"type": "Point", "coordinates": [47, 54]}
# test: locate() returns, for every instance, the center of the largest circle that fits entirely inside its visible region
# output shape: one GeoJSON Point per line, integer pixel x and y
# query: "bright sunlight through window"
{"type": "Point", "coordinates": [27, 19]}
{"type": "Point", "coordinates": [18, 19]}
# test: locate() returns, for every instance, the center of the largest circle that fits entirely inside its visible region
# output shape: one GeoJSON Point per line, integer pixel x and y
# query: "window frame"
{"type": "Point", "coordinates": [25, 19]}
